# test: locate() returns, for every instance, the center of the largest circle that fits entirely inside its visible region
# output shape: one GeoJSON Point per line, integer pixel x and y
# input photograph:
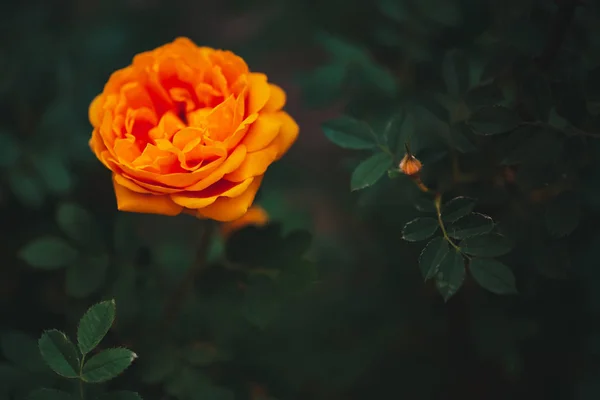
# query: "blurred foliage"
{"type": "Point", "coordinates": [499, 101]}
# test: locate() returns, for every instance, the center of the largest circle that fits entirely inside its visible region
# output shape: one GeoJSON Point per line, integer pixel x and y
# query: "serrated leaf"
{"type": "Point", "coordinates": [486, 245]}
{"type": "Point", "coordinates": [450, 275]}
{"type": "Point", "coordinates": [48, 252]}
{"type": "Point", "coordinates": [49, 394]}
{"type": "Point", "coordinates": [349, 133]}
{"type": "Point", "coordinates": [432, 256]}
{"type": "Point", "coordinates": [76, 222]}
{"type": "Point", "coordinates": [473, 224]}
{"type": "Point", "coordinates": [121, 395]}
{"type": "Point", "coordinates": [370, 171]}
{"type": "Point", "coordinates": [107, 365]}
{"type": "Point", "coordinates": [94, 325]}
{"type": "Point", "coordinates": [563, 214]}
{"type": "Point", "coordinates": [494, 120]}
{"type": "Point", "coordinates": [420, 229]}
{"type": "Point", "coordinates": [87, 276]}
{"type": "Point", "coordinates": [59, 353]}
{"type": "Point", "coordinates": [457, 208]}
{"type": "Point", "coordinates": [455, 71]}
{"type": "Point", "coordinates": [492, 275]}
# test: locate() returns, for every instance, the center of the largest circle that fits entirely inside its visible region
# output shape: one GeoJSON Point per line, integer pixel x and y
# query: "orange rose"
{"type": "Point", "coordinates": [256, 216]}
{"type": "Point", "coordinates": [189, 129]}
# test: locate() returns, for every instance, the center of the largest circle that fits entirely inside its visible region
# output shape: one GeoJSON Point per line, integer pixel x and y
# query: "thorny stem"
{"type": "Point", "coordinates": [174, 305]}
{"type": "Point", "coordinates": [438, 210]}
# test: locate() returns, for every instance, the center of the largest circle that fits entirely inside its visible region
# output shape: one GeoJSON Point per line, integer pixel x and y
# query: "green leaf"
{"type": "Point", "coordinates": [563, 214]}
{"type": "Point", "coordinates": [473, 224]}
{"type": "Point", "coordinates": [370, 171]}
{"type": "Point", "coordinates": [420, 229]}
{"type": "Point", "coordinates": [380, 78]}
{"type": "Point", "coordinates": [459, 138]}
{"type": "Point", "coordinates": [94, 325]}
{"type": "Point", "coordinates": [342, 50]}
{"type": "Point", "coordinates": [9, 149]}
{"type": "Point", "coordinates": [53, 173]}
{"type": "Point", "coordinates": [120, 395]}
{"type": "Point", "coordinates": [494, 120]}
{"type": "Point", "coordinates": [492, 275]}
{"type": "Point", "coordinates": [349, 133]}
{"type": "Point", "coordinates": [48, 252]}
{"type": "Point", "coordinates": [86, 276]}
{"type": "Point", "coordinates": [107, 365]}
{"type": "Point", "coordinates": [76, 222]}
{"type": "Point", "coordinates": [450, 275]}
{"type": "Point", "coordinates": [22, 350]}
{"type": "Point", "coordinates": [455, 70]}
{"type": "Point", "coordinates": [26, 187]}
{"type": "Point", "coordinates": [457, 208]}
{"type": "Point", "coordinates": [323, 85]}
{"type": "Point", "coordinates": [487, 245]}
{"type": "Point", "coordinates": [484, 96]}
{"type": "Point", "coordinates": [59, 353]}
{"type": "Point", "coordinates": [432, 256]}
{"type": "Point", "coordinates": [49, 394]}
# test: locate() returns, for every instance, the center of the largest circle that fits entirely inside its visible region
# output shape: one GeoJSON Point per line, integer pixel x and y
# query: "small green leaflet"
{"type": "Point", "coordinates": [457, 208]}
{"type": "Point", "coordinates": [349, 133]}
{"type": "Point", "coordinates": [107, 365]}
{"type": "Point", "coordinates": [492, 275]}
{"type": "Point", "coordinates": [59, 353]}
{"type": "Point", "coordinates": [450, 275]}
{"type": "Point", "coordinates": [432, 256]}
{"type": "Point", "coordinates": [370, 171]}
{"type": "Point", "coordinates": [493, 120]}
{"type": "Point", "coordinates": [470, 225]}
{"type": "Point", "coordinates": [455, 70]}
{"type": "Point", "coordinates": [420, 229]}
{"type": "Point", "coordinates": [94, 325]}
{"type": "Point", "coordinates": [486, 245]}
{"type": "Point", "coordinates": [48, 252]}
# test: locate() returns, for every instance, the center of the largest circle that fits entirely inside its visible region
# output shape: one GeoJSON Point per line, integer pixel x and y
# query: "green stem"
{"type": "Point", "coordinates": [81, 391]}
{"type": "Point", "coordinates": [438, 209]}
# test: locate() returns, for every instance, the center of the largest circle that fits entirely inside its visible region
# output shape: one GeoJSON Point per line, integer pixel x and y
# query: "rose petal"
{"type": "Point", "coordinates": [231, 208]}
{"type": "Point", "coordinates": [128, 200]}
{"type": "Point", "coordinates": [287, 134]}
{"type": "Point", "coordinates": [95, 111]}
{"type": "Point", "coordinates": [208, 196]}
{"type": "Point", "coordinates": [262, 132]}
{"type": "Point", "coordinates": [276, 100]}
{"type": "Point", "coordinates": [255, 216]}
{"type": "Point", "coordinates": [254, 164]}
{"type": "Point", "coordinates": [259, 92]}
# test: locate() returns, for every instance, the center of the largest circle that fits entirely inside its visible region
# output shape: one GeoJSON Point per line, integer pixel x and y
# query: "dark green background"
{"type": "Point", "coordinates": [364, 325]}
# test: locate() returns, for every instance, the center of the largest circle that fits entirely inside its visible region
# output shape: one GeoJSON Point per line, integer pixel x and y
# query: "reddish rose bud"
{"type": "Point", "coordinates": [410, 165]}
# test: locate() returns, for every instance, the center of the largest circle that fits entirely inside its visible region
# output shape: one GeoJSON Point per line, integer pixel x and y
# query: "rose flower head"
{"type": "Point", "coordinates": [189, 129]}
